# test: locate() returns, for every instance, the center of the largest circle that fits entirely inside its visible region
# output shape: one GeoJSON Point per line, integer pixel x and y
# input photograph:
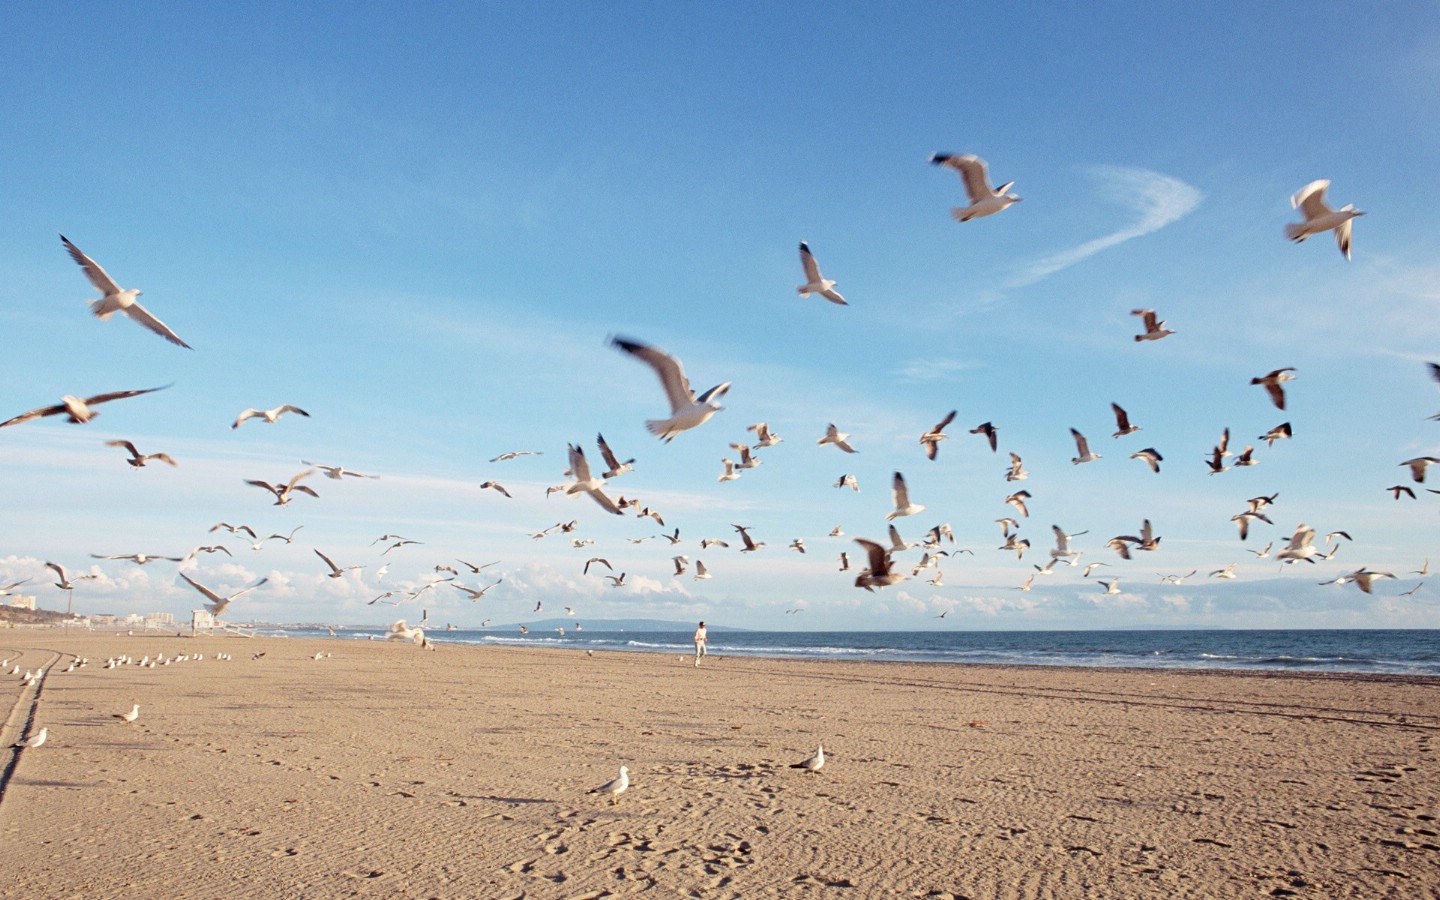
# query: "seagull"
{"type": "Point", "coordinates": [473, 593]}
{"type": "Point", "coordinates": [34, 740]}
{"type": "Point", "coordinates": [844, 561]}
{"type": "Point", "coordinates": [1090, 567]}
{"type": "Point", "coordinates": [66, 583]}
{"type": "Point", "coordinates": [474, 569]}
{"type": "Point", "coordinates": [706, 543]}
{"type": "Point", "coordinates": [1413, 591]}
{"type": "Point", "coordinates": [217, 603]}
{"type": "Point", "coordinates": [984, 199]}
{"type": "Point", "coordinates": [701, 573]}
{"type": "Point", "coordinates": [336, 472]}
{"type": "Point", "coordinates": [1258, 503]}
{"type": "Point", "coordinates": [1062, 543]}
{"type": "Point", "coordinates": [1319, 217]}
{"type": "Point", "coordinates": [1263, 553]}
{"type": "Point", "coordinates": [1154, 328]}
{"type": "Point", "coordinates": [897, 543]}
{"type": "Point", "coordinates": [1418, 465]}
{"type": "Point", "coordinates": [814, 763]}
{"type": "Point", "coordinates": [401, 543]}
{"type": "Point", "coordinates": [849, 481]}
{"type": "Point", "coordinates": [1243, 520]}
{"type": "Point", "coordinates": [139, 559]}
{"type": "Point", "coordinates": [282, 492]}
{"type": "Point", "coordinates": [988, 430]}
{"type": "Point", "coordinates": [750, 545]}
{"type": "Point", "coordinates": [1029, 583]}
{"type": "Point", "coordinates": [814, 282]}
{"type": "Point", "coordinates": [1006, 524]}
{"type": "Point", "coordinates": [77, 410]}
{"type": "Point", "coordinates": [615, 580]}
{"type": "Point", "coordinates": [614, 788]}
{"type": "Point", "coordinates": [596, 559]}
{"type": "Point", "coordinates": [494, 486]}
{"type": "Point", "coordinates": [746, 460]}
{"type": "Point", "coordinates": [1111, 587]}
{"type": "Point", "coordinates": [586, 483]}
{"type": "Point", "coordinates": [138, 459]}
{"type": "Point", "coordinates": [1363, 578]}
{"type": "Point", "coordinates": [1246, 457]}
{"type": "Point", "coordinates": [797, 545]}
{"type": "Point", "coordinates": [1017, 500]}
{"type": "Point", "coordinates": [117, 299]}
{"type": "Point", "coordinates": [6, 590]}
{"type": "Point", "coordinates": [763, 437]}
{"type": "Point", "coordinates": [901, 495]}
{"type": "Point", "coordinates": [834, 436]}
{"type": "Point", "coordinates": [1217, 462]}
{"type": "Point", "coordinates": [130, 716]}
{"type": "Point", "coordinates": [335, 571]}
{"type": "Point", "coordinates": [836, 532]}
{"type": "Point", "coordinates": [400, 632]}
{"type": "Point", "coordinates": [682, 563]}
{"type": "Point", "coordinates": [729, 474]}
{"type": "Point", "coordinates": [1082, 447]}
{"type": "Point", "coordinates": [1016, 543]}
{"type": "Point", "coordinates": [686, 410]}
{"type": "Point", "coordinates": [1150, 456]}
{"type": "Point", "coordinates": [1122, 422]}
{"type": "Point", "coordinates": [1423, 570]}
{"type": "Point", "coordinates": [515, 454]}
{"type": "Point", "coordinates": [880, 572]}
{"type": "Point", "coordinates": [269, 415]}
{"type": "Point", "coordinates": [1176, 579]}
{"type": "Point", "coordinates": [233, 529]}
{"type": "Point", "coordinates": [931, 439]}
{"type": "Point", "coordinates": [1277, 433]}
{"type": "Point", "coordinates": [1273, 382]}
{"type": "Point", "coordinates": [1301, 545]}
{"type": "Point", "coordinates": [616, 466]}
{"type": "Point", "coordinates": [1016, 472]}
{"type": "Point", "coordinates": [1226, 573]}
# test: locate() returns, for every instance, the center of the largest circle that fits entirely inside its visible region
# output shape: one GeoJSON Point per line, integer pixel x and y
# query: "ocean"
{"type": "Point", "coordinates": [1387, 652]}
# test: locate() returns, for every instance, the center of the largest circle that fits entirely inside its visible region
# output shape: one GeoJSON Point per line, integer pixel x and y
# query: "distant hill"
{"type": "Point", "coordinates": [17, 615]}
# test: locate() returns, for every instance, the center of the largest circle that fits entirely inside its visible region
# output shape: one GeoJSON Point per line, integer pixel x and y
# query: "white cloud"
{"type": "Point", "coordinates": [1158, 199]}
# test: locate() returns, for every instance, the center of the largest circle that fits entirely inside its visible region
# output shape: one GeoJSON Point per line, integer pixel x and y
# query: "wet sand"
{"type": "Point", "coordinates": [387, 771]}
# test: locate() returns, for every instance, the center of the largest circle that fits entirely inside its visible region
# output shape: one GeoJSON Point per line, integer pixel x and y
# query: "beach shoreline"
{"type": "Point", "coordinates": [385, 770]}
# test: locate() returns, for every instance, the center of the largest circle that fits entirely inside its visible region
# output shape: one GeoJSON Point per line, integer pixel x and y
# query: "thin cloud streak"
{"type": "Point", "coordinates": [1159, 199]}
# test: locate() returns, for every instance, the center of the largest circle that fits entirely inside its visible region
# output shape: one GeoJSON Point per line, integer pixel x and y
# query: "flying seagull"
{"type": "Point", "coordinates": [880, 571]}
{"type": "Point", "coordinates": [1154, 328]}
{"type": "Point", "coordinates": [988, 430]}
{"type": "Point", "coordinates": [984, 199]}
{"type": "Point", "coordinates": [1122, 422]}
{"type": "Point", "coordinates": [1273, 382]}
{"type": "Point", "coordinates": [763, 437]}
{"type": "Point", "coordinates": [587, 483]}
{"type": "Point", "coordinates": [515, 454]}
{"type": "Point", "coordinates": [686, 410]}
{"type": "Point", "coordinates": [77, 410]}
{"type": "Point", "coordinates": [138, 459]}
{"type": "Point", "coordinates": [1418, 465]}
{"type": "Point", "coordinates": [336, 472]}
{"type": "Point", "coordinates": [282, 492]}
{"type": "Point", "coordinates": [66, 583]}
{"type": "Point", "coordinates": [217, 603]}
{"type": "Point", "coordinates": [1319, 217]}
{"type": "Point", "coordinates": [1150, 456]}
{"type": "Point", "coordinates": [834, 436]}
{"type": "Point", "coordinates": [269, 415]}
{"type": "Point", "coordinates": [814, 282]}
{"type": "Point", "coordinates": [117, 299]}
{"type": "Point", "coordinates": [1279, 432]}
{"type": "Point", "coordinates": [1082, 448]}
{"type": "Point", "coordinates": [901, 496]}
{"type": "Point", "coordinates": [616, 467]}
{"type": "Point", "coordinates": [931, 439]}
{"type": "Point", "coordinates": [335, 571]}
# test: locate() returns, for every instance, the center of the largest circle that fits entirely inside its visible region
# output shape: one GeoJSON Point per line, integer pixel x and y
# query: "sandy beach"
{"type": "Point", "coordinates": [382, 770]}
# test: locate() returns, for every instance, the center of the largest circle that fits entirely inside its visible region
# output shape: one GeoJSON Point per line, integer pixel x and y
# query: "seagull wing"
{"type": "Point", "coordinates": [672, 375]}
{"type": "Point", "coordinates": [1122, 421]}
{"type": "Point", "coordinates": [334, 568]}
{"type": "Point", "coordinates": [209, 594]}
{"type": "Point", "coordinates": [146, 318]}
{"type": "Point", "coordinates": [605, 502]}
{"type": "Point", "coordinates": [578, 464]}
{"type": "Point", "coordinates": [949, 417]}
{"type": "Point", "coordinates": [900, 493]}
{"type": "Point", "coordinates": [879, 558]}
{"type": "Point", "coordinates": [807, 260]}
{"type": "Point", "coordinates": [121, 395]}
{"type": "Point", "coordinates": [1082, 446]}
{"type": "Point", "coordinates": [607, 453]}
{"type": "Point", "coordinates": [98, 277]}
{"type": "Point", "coordinates": [1310, 199]}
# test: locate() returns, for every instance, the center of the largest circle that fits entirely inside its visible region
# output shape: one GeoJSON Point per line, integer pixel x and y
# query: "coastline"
{"type": "Point", "coordinates": [384, 770]}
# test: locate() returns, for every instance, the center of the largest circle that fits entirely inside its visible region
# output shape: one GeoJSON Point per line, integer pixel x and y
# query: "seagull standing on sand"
{"type": "Point", "coordinates": [117, 299]}
{"type": "Point", "coordinates": [814, 763]}
{"type": "Point", "coordinates": [1319, 217]}
{"type": "Point", "coordinates": [34, 740]}
{"type": "Point", "coordinates": [814, 282]}
{"type": "Point", "coordinates": [984, 199]}
{"type": "Point", "coordinates": [686, 410]}
{"type": "Point", "coordinates": [614, 788]}
{"type": "Point", "coordinates": [269, 415]}
{"type": "Point", "coordinates": [130, 716]}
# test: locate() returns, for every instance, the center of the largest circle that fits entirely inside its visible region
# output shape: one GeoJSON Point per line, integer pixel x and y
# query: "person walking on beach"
{"type": "Point", "coordinates": [699, 644]}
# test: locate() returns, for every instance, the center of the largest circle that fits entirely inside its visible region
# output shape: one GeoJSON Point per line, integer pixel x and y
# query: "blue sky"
{"type": "Point", "coordinates": [422, 225]}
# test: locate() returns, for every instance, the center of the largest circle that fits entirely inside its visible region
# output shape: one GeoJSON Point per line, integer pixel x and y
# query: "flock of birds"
{"type": "Point", "coordinates": [689, 410]}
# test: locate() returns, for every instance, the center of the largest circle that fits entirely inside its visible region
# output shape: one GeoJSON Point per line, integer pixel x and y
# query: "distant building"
{"type": "Point", "coordinates": [22, 601]}
{"type": "Point", "coordinates": [159, 620]}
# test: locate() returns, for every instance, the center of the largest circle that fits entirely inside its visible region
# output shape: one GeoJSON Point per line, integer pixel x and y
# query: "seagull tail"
{"type": "Point", "coordinates": [1295, 231]}
{"type": "Point", "coordinates": [661, 428]}
{"type": "Point", "coordinates": [103, 308]}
